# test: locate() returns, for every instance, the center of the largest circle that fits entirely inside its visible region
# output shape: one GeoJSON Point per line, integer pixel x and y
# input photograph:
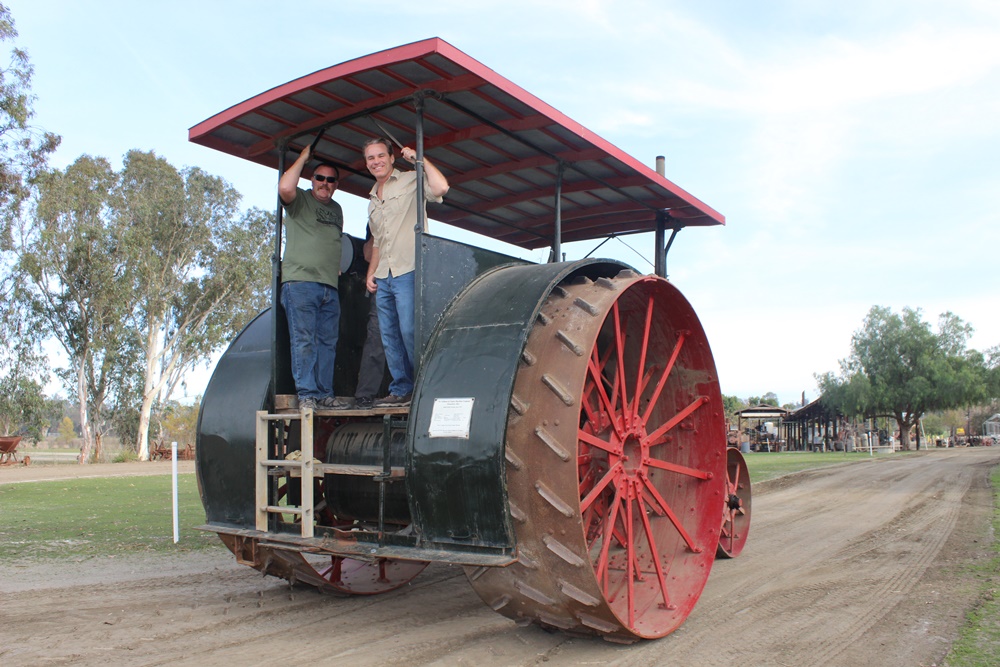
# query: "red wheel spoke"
{"type": "Point", "coordinates": [620, 351]}
{"type": "Point", "coordinates": [654, 553]}
{"type": "Point", "coordinates": [683, 470]}
{"type": "Point", "coordinates": [663, 376]}
{"type": "Point", "coordinates": [594, 441]}
{"type": "Point", "coordinates": [612, 474]}
{"type": "Point", "coordinates": [597, 377]}
{"type": "Point", "coordinates": [630, 550]}
{"type": "Point", "coordinates": [609, 523]}
{"type": "Point", "coordinates": [651, 501]}
{"type": "Point", "coordinates": [593, 418]}
{"type": "Point", "coordinates": [653, 438]}
{"type": "Point", "coordinates": [670, 515]}
{"type": "Point", "coordinates": [640, 374]}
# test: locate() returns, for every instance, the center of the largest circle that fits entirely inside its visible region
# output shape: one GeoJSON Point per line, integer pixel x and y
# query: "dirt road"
{"type": "Point", "coordinates": [857, 565]}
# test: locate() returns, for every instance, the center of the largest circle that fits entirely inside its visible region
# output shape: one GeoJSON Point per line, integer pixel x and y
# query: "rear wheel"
{"type": "Point", "coordinates": [735, 506]}
{"type": "Point", "coordinates": [612, 463]}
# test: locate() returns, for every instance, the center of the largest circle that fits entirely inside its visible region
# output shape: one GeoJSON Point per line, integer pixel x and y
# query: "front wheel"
{"type": "Point", "coordinates": [612, 463]}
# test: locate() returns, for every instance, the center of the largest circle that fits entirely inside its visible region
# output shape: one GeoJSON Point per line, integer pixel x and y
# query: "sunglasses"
{"type": "Point", "coordinates": [325, 179]}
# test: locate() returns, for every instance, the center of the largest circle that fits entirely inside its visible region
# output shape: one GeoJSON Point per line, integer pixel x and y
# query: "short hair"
{"type": "Point", "coordinates": [324, 163]}
{"type": "Point", "coordinates": [378, 140]}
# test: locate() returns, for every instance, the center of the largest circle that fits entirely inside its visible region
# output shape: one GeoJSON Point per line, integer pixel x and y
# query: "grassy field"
{"type": "Point", "coordinates": [99, 517]}
{"type": "Point", "coordinates": [765, 466]}
{"type": "Point", "coordinates": [117, 515]}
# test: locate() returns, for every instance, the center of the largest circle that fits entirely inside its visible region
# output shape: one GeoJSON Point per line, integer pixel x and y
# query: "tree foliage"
{"type": "Point", "coordinates": [199, 268]}
{"type": "Point", "coordinates": [24, 149]}
{"type": "Point", "coordinates": [899, 367]}
{"type": "Point", "coordinates": [23, 370]}
{"type": "Point", "coordinates": [23, 153]}
{"type": "Point", "coordinates": [79, 286]}
{"type": "Point", "coordinates": [139, 274]}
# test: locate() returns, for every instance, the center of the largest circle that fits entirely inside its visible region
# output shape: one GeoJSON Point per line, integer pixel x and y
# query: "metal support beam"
{"type": "Point", "coordinates": [557, 234]}
{"type": "Point", "coordinates": [276, 279]}
{"type": "Point", "coordinates": [659, 253]}
{"type": "Point", "coordinates": [673, 235]}
{"type": "Point", "coordinates": [418, 319]}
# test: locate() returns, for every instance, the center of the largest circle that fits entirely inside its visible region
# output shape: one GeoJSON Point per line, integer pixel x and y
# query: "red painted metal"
{"type": "Point", "coordinates": [736, 507]}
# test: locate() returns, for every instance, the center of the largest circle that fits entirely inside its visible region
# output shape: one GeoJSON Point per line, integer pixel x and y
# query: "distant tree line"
{"type": "Point", "coordinates": [901, 368]}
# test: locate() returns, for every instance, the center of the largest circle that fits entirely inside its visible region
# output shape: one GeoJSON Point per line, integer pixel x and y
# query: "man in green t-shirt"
{"type": "Point", "coordinates": [310, 267]}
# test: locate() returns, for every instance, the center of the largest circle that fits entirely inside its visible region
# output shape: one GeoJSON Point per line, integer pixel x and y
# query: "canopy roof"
{"type": "Point", "coordinates": [763, 412]}
{"type": "Point", "coordinates": [500, 147]}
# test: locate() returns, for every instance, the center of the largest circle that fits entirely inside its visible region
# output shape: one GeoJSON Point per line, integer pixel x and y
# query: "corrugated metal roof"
{"type": "Point", "coordinates": [500, 146]}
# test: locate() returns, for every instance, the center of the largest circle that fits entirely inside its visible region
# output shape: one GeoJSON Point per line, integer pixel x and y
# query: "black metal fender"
{"type": "Point", "coordinates": [457, 486]}
{"type": "Point", "coordinates": [226, 437]}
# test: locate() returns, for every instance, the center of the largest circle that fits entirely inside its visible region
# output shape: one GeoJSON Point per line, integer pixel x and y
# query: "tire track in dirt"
{"type": "Point", "coordinates": [808, 610]}
{"type": "Point", "coordinates": [845, 567]}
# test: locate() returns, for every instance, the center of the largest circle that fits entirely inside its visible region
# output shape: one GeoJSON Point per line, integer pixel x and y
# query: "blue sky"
{"type": "Point", "coordinates": [852, 146]}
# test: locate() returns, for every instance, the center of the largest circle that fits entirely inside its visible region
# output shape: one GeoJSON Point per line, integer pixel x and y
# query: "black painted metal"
{"type": "Point", "coordinates": [446, 268]}
{"type": "Point", "coordinates": [226, 437]}
{"type": "Point", "coordinates": [280, 372]}
{"type": "Point", "coordinates": [457, 486]}
{"type": "Point", "coordinates": [659, 253]}
{"type": "Point", "coordinates": [557, 227]}
{"type": "Point", "coordinates": [364, 498]}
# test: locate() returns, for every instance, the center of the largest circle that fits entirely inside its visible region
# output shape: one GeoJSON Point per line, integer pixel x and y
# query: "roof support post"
{"type": "Point", "coordinates": [418, 320]}
{"type": "Point", "coordinates": [557, 235]}
{"type": "Point", "coordinates": [670, 242]}
{"type": "Point", "coordinates": [277, 321]}
{"type": "Point", "coordinates": [659, 253]}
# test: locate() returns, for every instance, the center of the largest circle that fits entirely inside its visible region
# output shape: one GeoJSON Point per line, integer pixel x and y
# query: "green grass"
{"type": "Point", "coordinates": [99, 517]}
{"type": "Point", "coordinates": [768, 465]}
{"type": "Point", "coordinates": [979, 639]}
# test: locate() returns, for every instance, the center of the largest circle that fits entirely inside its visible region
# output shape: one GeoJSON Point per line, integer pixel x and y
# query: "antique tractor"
{"type": "Point", "coordinates": [566, 437]}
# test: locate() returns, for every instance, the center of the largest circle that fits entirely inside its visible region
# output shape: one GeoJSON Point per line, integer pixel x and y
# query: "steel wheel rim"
{"type": "Point", "coordinates": [611, 537]}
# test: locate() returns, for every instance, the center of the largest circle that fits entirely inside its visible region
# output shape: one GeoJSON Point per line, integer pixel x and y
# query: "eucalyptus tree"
{"type": "Point", "coordinates": [23, 371]}
{"type": "Point", "coordinates": [200, 269]}
{"type": "Point", "coordinates": [24, 149]}
{"type": "Point", "coordinates": [900, 368]}
{"type": "Point", "coordinates": [80, 285]}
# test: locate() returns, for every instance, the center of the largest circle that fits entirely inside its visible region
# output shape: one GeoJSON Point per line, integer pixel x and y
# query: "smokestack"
{"type": "Point", "coordinates": [660, 165]}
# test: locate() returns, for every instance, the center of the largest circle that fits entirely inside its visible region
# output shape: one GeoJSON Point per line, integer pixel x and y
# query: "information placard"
{"type": "Point", "coordinates": [451, 417]}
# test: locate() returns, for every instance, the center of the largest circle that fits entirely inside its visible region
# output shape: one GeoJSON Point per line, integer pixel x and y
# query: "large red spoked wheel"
{"type": "Point", "coordinates": [614, 473]}
{"type": "Point", "coordinates": [736, 506]}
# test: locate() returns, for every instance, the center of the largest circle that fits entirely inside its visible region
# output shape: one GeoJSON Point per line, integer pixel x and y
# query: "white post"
{"type": "Point", "coordinates": [173, 458]}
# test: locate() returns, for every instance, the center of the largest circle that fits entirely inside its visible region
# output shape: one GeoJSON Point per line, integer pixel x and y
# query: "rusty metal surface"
{"type": "Point", "coordinates": [337, 575]}
{"type": "Point", "coordinates": [585, 462]}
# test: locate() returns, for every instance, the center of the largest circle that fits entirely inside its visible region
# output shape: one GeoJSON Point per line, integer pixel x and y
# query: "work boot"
{"type": "Point", "coordinates": [393, 401]}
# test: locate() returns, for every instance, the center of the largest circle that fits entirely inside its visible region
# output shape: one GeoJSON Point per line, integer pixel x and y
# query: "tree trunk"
{"type": "Point", "coordinates": [904, 425]}
{"type": "Point", "coordinates": [81, 395]}
{"type": "Point", "coordinates": [148, 390]}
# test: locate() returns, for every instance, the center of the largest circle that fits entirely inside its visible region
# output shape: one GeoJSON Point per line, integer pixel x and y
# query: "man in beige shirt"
{"type": "Point", "coordinates": [392, 216]}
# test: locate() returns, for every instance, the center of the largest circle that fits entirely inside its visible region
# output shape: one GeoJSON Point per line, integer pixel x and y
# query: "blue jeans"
{"type": "Point", "coordinates": [313, 312]}
{"type": "Point", "coordinates": [394, 298]}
